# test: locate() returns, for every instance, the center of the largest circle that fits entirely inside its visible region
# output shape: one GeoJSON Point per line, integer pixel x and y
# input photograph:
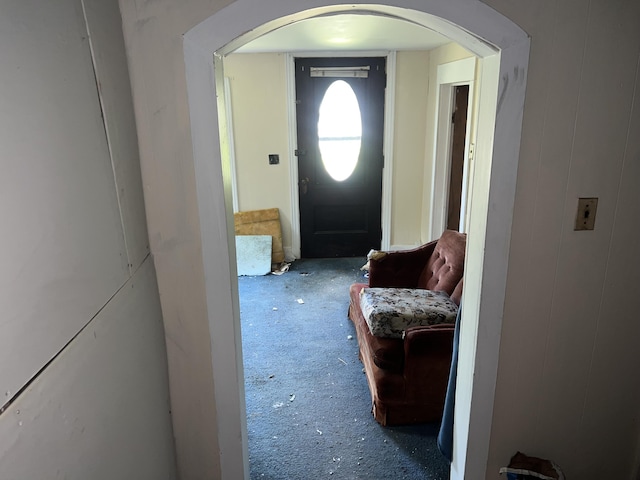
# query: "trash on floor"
{"type": "Point", "coordinates": [523, 467]}
{"type": "Point", "coordinates": [281, 268]}
{"type": "Point", "coordinates": [376, 255]}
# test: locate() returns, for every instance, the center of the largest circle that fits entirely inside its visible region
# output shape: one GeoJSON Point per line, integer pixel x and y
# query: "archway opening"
{"type": "Point", "coordinates": [503, 48]}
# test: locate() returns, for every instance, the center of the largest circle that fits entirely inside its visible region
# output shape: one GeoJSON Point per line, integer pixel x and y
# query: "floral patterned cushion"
{"type": "Point", "coordinates": [390, 311]}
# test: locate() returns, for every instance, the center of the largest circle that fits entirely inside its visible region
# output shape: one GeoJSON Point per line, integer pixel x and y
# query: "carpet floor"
{"type": "Point", "coordinates": [308, 404]}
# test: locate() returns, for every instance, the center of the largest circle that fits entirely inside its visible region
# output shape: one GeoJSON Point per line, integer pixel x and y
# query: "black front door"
{"type": "Point", "coordinates": [340, 166]}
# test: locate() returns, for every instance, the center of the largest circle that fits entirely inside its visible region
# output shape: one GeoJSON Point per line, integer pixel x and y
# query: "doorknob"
{"type": "Point", "coordinates": [304, 183]}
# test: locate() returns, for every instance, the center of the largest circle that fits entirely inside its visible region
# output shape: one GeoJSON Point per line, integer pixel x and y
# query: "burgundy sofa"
{"type": "Point", "coordinates": [408, 377]}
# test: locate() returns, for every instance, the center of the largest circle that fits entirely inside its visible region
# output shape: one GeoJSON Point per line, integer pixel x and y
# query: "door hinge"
{"type": "Point", "coordinates": [299, 153]}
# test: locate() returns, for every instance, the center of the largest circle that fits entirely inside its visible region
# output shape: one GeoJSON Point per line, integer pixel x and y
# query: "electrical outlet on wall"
{"type": "Point", "coordinates": [586, 215]}
{"type": "Point", "coordinates": [274, 159]}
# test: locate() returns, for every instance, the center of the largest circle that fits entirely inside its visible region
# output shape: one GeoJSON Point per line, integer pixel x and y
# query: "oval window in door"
{"type": "Point", "coordinates": [339, 130]}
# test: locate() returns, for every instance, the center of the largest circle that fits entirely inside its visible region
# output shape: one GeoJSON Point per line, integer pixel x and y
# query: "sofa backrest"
{"type": "Point", "coordinates": [445, 267]}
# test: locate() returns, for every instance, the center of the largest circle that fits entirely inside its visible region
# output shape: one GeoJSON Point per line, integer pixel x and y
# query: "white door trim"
{"type": "Point", "coordinates": [231, 139]}
{"type": "Point", "coordinates": [388, 147]}
{"type": "Point", "coordinates": [290, 76]}
{"type": "Point", "coordinates": [504, 48]}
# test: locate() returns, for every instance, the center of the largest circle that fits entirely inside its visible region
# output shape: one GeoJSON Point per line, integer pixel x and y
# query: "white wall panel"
{"type": "Point", "coordinates": [606, 86]}
{"type": "Point", "coordinates": [614, 360]}
{"type": "Point", "coordinates": [567, 388]}
{"type": "Point", "coordinates": [63, 253]}
{"type": "Point", "coordinates": [538, 227]}
{"type": "Point", "coordinates": [107, 46]}
{"type": "Point", "coordinates": [100, 411]}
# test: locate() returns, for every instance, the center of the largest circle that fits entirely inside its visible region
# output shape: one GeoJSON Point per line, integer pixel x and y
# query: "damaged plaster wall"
{"type": "Point", "coordinates": [83, 376]}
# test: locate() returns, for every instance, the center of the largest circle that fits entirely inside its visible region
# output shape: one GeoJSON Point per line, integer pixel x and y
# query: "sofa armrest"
{"type": "Point", "coordinates": [423, 340]}
{"type": "Point", "coordinates": [400, 269]}
{"type": "Point", "coordinates": [427, 353]}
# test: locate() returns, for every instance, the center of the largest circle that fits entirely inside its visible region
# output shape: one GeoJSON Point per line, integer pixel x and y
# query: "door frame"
{"type": "Point", "coordinates": [389, 120]}
{"type": "Point", "coordinates": [449, 76]}
{"type": "Point", "coordinates": [504, 49]}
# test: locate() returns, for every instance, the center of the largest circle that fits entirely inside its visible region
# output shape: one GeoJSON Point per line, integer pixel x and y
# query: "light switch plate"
{"type": "Point", "coordinates": [586, 214]}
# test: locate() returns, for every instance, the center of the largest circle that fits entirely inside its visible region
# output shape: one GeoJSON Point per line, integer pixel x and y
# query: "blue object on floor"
{"type": "Point", "coordinates": [445, 436]}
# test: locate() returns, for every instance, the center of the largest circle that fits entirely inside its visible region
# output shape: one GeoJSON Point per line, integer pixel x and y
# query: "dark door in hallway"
{"type": "Point", "coordinates": [340, 121]}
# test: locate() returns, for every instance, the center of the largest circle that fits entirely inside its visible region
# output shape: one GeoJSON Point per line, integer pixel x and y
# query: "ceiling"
{"type": "Point", "coordinates": [351, 32]}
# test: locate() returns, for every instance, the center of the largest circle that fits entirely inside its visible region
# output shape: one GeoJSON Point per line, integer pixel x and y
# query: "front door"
{"type": "Point", "coordinates": [340, 120]}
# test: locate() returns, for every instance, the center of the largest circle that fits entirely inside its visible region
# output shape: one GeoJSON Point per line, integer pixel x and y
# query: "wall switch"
{"type": "Point", "coordinates": [586, 215]}
{"type": "Point", "coordinates": [274, 159]}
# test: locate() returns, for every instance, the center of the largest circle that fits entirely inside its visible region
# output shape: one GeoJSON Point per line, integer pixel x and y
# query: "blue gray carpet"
{"type": "Point", "coordinates": [308, 404]}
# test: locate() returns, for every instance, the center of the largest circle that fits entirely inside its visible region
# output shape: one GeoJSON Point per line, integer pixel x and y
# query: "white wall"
{"type": "Point", "coordinates": [566, 388]}
{"type": "Point", "coordinates": [153, 36]}
{"type": "Point", "coordinates": [259, 104]}
{"type": "Point", "coordinates": [412, 88]}
{"type": "Point", "coordinates": [567, 385]}
{"type": "Point", "coordinates": [75, 287]}
{"type": "Point", "coordinates": [99, 411]}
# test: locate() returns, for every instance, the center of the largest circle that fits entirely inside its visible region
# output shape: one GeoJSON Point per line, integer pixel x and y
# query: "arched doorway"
{"type": "Point", "coordinates": [503, 48]}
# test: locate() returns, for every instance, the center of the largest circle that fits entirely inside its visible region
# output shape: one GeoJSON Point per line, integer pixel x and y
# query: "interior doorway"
{"type": "Point", "coordinates": [459, 128]}
{"type": "Point", "coordinates": [456, 125]}
{"type": "Point", "coordinates": [504, 49]}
